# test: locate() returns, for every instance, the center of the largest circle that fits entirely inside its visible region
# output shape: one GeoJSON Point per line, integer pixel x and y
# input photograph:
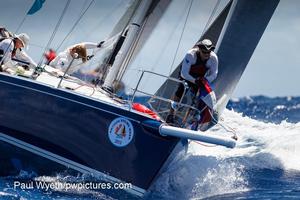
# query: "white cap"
{"type": "Point", "coordinates": [24, 38]}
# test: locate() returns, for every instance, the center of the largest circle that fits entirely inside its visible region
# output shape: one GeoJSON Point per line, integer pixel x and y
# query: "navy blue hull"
{"type": "Point", "coordinates": [14, 159]}
{"type": "Point", "coordinates": [76, 128]}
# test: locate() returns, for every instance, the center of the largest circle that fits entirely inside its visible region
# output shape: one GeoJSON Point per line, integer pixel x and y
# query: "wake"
{"type": "Point", "coordinates": [210, 170]}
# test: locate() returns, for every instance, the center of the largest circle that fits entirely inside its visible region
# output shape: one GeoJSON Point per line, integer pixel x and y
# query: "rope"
{"type": "Point", "coordinates": [87, 86]}
{"type": "Point", "coordinates": [73, 27]}
{"type": "Point", "coordinates": [205, 145]}
{"type": "Point", "coordinates": [54, 32]}
{"type": "Point", "coordinates": [225, 127]}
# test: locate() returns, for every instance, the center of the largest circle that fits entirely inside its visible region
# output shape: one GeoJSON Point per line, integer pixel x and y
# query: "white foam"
{"type": "Point", "coordinates": [207, 171]}
{"type": "Point", "coordinates": [272, 145]}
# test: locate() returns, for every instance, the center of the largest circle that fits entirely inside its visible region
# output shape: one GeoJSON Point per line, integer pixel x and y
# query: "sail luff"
{"type": "Point", "coordinates": [125, 19]}
{"type": "Point", "coordinates": [155, 13]}
{"type": "Point", "coordinates": [130, 37]}
{"type": "Point", "coordinates": [238, 41]}
{"type": "Point", "coordinates": [213, 33]}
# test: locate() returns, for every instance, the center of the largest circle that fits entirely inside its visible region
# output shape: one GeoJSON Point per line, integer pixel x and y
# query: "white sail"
{"type": "Point", "coordinates": [164, 49]}
{"type": "Point", "coordinates": [155, 14]}
{"type": "Point", "coordinates": [237, 43]}
{"type": "Point", "coordinates": [125, 19]}
{"type": "Point", "coordinates": [130, 33]}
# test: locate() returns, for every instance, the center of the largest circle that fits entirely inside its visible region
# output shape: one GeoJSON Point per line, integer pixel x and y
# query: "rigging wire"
{"type": "Point", "coordinates": [165, 46]}
{"type": "Point", "coordinates": [210, 17]}
{"type": "Point", "coordinates": [37, 45]}
{"type": "Point", "coordinates": [214, 120]}
{"type": "Point", "coordinates": [88, 35]}
{"type": "Point", "coordinates": [137, 42]}
{"type": "Point", "coordinates": [22, 22]}
{"type": "Point", "coordinates": [75, 24]}
{"type": "Point", "coordinates": [178, 45]}
{"type": "Point", "coordinates": [131, 51]}
{"type": "Point", "coordinates": [82, 8]}
{"type": "Point", "coordinates": [181, 35]}
{"type": "Point", "coordinates": [205, 28]}
{"type": "Point", "coordinates": [54, 31]}
{"type": "Point", "coordinates": [104, 18]}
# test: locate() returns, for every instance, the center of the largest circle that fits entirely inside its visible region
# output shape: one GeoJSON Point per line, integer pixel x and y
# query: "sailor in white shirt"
{"type": "Point", "coordinates": [64, 59]}
{"type": "Point", "coordinates": [200, 64]}
{"type": "Point", "coordinates": [200, 61]}
{"type": "Point", "coordinates": [199, 67]}
{"type": "Point", "coordinates": [12, 48]}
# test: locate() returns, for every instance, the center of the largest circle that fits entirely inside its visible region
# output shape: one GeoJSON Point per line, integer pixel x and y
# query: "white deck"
{"type": "Point", "coordinates": [52, 77]}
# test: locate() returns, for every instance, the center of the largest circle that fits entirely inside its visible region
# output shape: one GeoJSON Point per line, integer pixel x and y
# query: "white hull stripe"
{"type": "Point", "coordinates": [66, 162]}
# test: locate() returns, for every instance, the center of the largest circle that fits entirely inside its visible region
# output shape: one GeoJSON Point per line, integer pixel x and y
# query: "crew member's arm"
{"type": "Point", "coordinates": [188, 60]}
{"type": "Point", "coordinates": [92, 45]}
{"type": "Point", "coordinates": [7, 47]}
{"type": "Point", "coordinates": [22, 55]}
{"type": "Point", "coordinates": [212, 65]}
{"type": "Point", "coordinates": [97, 46]}
{"type": "Point", "coordinates": [89, 45]}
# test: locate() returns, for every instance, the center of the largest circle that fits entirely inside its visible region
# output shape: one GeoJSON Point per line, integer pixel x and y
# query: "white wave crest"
{"type": "Point", "coordinates": [207, 171]}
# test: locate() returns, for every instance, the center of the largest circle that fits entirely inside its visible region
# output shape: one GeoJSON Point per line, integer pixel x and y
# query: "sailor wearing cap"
{"type": "Point", "coordinates": [199, 63]}
{"type": "Point", "coordinates": [199, 66]}
{"type": "Point", "coordinates": [12, 48]}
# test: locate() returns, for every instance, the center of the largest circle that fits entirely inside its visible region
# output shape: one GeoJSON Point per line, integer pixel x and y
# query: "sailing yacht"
{"type": "Point", "coordinates": [89, 128]}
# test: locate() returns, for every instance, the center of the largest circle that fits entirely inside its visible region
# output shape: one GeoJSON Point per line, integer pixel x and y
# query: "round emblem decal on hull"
{"type": "Point", "coordinates": [120, 132]}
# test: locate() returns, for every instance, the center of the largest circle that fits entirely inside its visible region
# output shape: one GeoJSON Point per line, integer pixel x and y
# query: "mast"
{"type": "Point", "coordinates": [129, 35]}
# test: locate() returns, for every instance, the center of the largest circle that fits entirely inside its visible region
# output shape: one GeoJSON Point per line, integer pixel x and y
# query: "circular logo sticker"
{"type": "Point", "coordinates": [120, 132]}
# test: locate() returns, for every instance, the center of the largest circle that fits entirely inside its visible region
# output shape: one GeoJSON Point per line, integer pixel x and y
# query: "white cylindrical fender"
{"type": "Point", "coordinates": [165, 130]}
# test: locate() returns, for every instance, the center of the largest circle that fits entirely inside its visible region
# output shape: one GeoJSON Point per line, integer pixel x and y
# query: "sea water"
{"type": "Point", "coordinates": [264, 165]}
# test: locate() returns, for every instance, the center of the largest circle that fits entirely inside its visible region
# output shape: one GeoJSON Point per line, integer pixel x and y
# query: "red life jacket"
{"type": "Point", "coordinates": [143, 109]}
{"type": "Point", "coordinates": [50, 56]}
{"type": "Point", "coordinates": [199, 68]}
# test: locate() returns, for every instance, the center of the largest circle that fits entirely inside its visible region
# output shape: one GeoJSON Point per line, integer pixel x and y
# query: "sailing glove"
{"type": "Point", "coordinates": [100, 44]}
{"type": "Point", "coordinates": [89, 57]}
{"type": "Point", "coordinates": [200, 81]}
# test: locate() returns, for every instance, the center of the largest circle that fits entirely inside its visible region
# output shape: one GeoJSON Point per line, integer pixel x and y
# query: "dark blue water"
{"type": "Point", "coordinates": [264, 165]}
{"type": "Point", "coordinates": [268, 109]}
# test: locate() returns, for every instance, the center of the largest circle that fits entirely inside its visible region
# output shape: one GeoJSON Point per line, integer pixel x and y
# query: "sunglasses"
{"type": "Point", "coordinates": [205, 52]}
